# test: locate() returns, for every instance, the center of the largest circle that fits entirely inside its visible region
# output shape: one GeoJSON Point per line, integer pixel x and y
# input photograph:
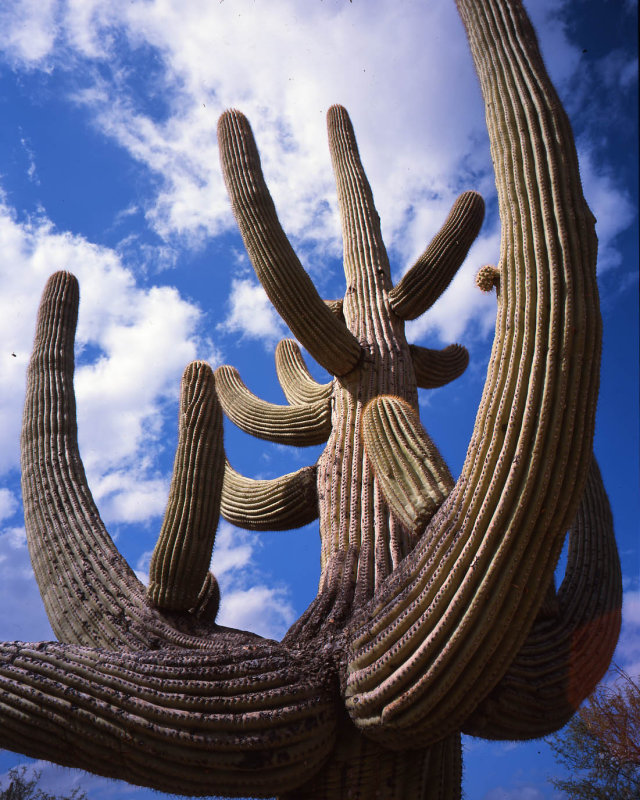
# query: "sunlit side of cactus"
{"type": "Point", "coordinates": [436, 611]}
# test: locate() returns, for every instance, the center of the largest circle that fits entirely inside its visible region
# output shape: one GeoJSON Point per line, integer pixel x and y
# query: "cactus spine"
{"type": "Point", "coordinates": [436, 611]}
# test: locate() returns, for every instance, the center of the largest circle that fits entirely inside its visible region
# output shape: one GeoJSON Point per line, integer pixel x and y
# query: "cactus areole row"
{"type": "Point", "coordinates": [436, 612]}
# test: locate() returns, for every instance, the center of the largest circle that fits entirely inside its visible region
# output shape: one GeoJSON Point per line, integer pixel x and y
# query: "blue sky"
{"type": "Point", "coordinates": [109, 168]}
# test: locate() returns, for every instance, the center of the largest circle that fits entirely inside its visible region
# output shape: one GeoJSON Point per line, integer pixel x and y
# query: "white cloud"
{"type": "Point", "coordinates": [627, 654]}
{"type": "Point", "coordinates": [18, 590]}
{"type": "Point", "coordinates": [246, 602]}
{"type": "Point", "coordinates": [251, 313]}
{"type": "Point", "coordinates": [8, 504]}
{"type": "Point", "coordinates": [416, 109]}
{"type": "Point", "coordinates": [613, 209]}
{"type": "Point", "coordinates": [27, 30]}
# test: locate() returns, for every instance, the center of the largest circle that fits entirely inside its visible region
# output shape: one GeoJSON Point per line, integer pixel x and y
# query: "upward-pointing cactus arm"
{"type": "Point", "coordinates": [180, 560]}
{"type": "Point", "coordinates": [436, 368]}
{"type": "Point", "coordinates": [284, 279]}
{"type": "Point", "coordinates": [186, 706]}
{"type": "Point", "coordinates": [445, 628]}
{"type": "Point", "coordinates": [427, 279]}
{"type": "Point", "coordinates": [567, 653]}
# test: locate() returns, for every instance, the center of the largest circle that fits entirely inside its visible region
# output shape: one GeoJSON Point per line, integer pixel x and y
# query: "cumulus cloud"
{"type": "Point", "coordinates": [251, 313]}
{"type": "Point", "coordinates": [627, 654]}
{"type": "Point", "coordinates": [247, 602]}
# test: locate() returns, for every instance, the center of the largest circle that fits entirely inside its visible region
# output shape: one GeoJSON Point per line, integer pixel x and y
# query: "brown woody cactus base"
{"type": "Point", "coordinates": [436, 611]}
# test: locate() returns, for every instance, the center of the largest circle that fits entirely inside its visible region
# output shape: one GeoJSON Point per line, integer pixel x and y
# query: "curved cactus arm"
{"type": "Point", "coordinates": [413, 475]}
{"type": "Point", "coordinates": [565, 656]}
{"type": "Point", "coordinates": [449, 621]}
{"type": "Point", "coordinates": [427, 279]}
{"type": "Point", "coordinates": [90, 593]}
{"type": "Point", "coordinates": [280, 504]}
{"type": "Point", "coordinates": [180, 560]}
{"type": "Point", "coordinates": [297, 384]}
{"type": "Point", "coordinates": [435, 368]}
{"type": "Point", "coordinates": [300, 425]}
{"type": "Point", "coordinates": [239, 721]}
{"type": "Point", "coordinates": [66, 537]}
{"type": "Point", "coordinates": [284, 279]}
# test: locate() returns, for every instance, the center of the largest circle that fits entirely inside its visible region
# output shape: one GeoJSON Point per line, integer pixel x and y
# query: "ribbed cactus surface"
{"type": "Point", "coordinates": [436, 612]}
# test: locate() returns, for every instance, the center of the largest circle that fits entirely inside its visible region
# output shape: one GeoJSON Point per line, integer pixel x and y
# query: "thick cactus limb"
{"type": "Point", "coordinates": [436, 368]}
{"type": "Point", "coordinates": [297, 384]}
{"type": "Point", "coordinates": [180, 561]}
{"type": "Point", "coordinates": [412, 473]}
{"type": "Point", "coordinates": [237, 721]}
{"type": "Point", "coordinates": [366, 264]}
{"type": "Point", "coordinates": [280, 504]}
{"type": "Point", "coordinates": [460, 607]}
{"type": "Point", "coordinates": [567, 654]}
{"type": "Point", "coordinates": [299, 425]}
{"type": "Point", "coordinates": [91, 595]}
{"type": "Point", "coordinates": [286, 283]}
{"type": "Point", "coordinates": [427, 279]}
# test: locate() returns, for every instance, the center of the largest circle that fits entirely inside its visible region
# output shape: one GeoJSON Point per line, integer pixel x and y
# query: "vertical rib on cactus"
{"type": "Point", "coordinates": [418, 631]}
{"type": "Point", "coordinates": [565, 655]}
{"type": "Point", "coordinates": [419, 666]}
{"type": "Point", "coordinates": [180, 561]}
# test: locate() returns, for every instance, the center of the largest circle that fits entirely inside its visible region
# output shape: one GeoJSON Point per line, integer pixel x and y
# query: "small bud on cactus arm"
{"type": "Point", "coordinates": [488, 278]}
{"type": "Point", "coordinates": [180, 561]}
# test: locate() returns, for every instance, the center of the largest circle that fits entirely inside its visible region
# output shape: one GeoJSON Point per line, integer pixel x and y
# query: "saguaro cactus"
{"type": "Point", "coordinates": [436, 611]}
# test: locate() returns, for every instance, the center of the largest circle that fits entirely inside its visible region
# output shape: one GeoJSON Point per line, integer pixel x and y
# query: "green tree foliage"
{"type": "Point", "coordinates": [600, 747]}
{"type": "Point", "coordinates": [23, 787]}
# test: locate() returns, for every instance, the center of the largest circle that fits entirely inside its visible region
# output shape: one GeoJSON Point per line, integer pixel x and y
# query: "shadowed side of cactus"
{"type": "Point", "coordinates": [436, 610]}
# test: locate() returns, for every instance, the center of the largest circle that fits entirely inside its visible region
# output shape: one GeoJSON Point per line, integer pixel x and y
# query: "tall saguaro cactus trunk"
{"type": "Point", "coordinates": [436, 612]}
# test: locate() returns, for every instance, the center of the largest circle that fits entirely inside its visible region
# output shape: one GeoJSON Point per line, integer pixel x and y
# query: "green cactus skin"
{"type": "Point", "coordinates": [413, 476]}
{"type": "Point", "coordinates": [434, 368]}
{"type": "Point", "coordinates": [280, 504]}
{"type": "Point", "coordinates": [297, 384]}
{"type": "Point", "coordinates": [423, 284]}
{"type": "Point", "coordinates": [298, 425]}
{"type": "Point", "coordinates": [436, 611]}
